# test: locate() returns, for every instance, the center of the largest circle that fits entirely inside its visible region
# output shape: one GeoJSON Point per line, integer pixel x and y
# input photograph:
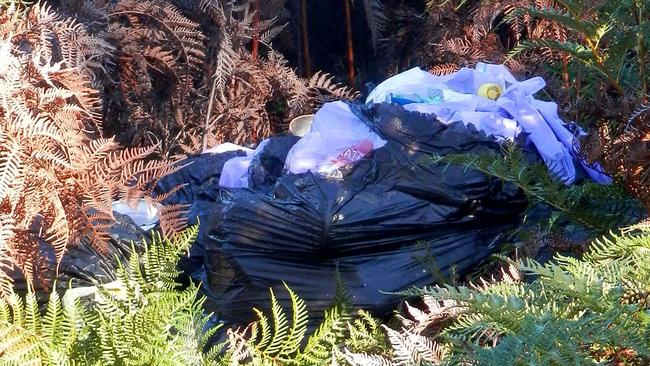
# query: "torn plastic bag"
{"type": "Point", "coordinates": [337, 138]}
{"type": "Point", "coordinates": [387, 210]}
{"type": "Point", "coordinates": [549, 111]}
{"type": "Point", "coordinates": [455, 97]}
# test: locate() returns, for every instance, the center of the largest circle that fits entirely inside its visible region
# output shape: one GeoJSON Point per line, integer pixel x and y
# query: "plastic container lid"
{"type": "Point", "coordinates": [301, 125]}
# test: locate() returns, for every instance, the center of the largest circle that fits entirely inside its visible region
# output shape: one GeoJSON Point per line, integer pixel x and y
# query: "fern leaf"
{"type": "Point", "coordinates": [298, 324]}
{"type": "Point", "coordinates": [280, 326]}
{"type": "Point", "coordinates": [559, 16]}
{"type": "Point", "coordinates": [10, 165]}
{"type": "Point", "coordinates": [52, 319]}
{"type": "Point", "coordinates": [32, 315]}
{"type": "Point", "coordinates": [265, 329]}
{"type": "Point", "coordinates": [361, 359]}
{"type": "Point", "coordinates": [318, 349]}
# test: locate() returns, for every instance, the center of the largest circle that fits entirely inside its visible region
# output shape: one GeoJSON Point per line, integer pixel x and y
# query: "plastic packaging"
{"type": "Point", "coordinates": [143, 213]}
{"type": "Point", "coordinates": [506, 112]}
{"type": "Point", "coordinates": [235, 170]}
{"type": "Point", "coordinates": [337, 138]}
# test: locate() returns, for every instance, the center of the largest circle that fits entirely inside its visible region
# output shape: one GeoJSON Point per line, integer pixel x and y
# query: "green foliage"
{"type": "Point", "coordinates": [143, 318]}
{"type": "Point", "coordinates": [281, 342]}
{"type": "Point", "coordinates": [607, 38]}
{"type": "Point", "coordinates": [365, 334]}
{"type": "Point", "coordinates": [285, 343]}
{"type": "Point", "coordinates": [575, 311]}
{"type": "Point", "coordinates": [590, 206]}
{"type": "Point", "coordinates": [29, 338]}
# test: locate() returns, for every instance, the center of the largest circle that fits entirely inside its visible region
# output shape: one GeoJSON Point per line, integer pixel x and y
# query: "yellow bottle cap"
{"type": "Point", "coordinates": [489, 90]}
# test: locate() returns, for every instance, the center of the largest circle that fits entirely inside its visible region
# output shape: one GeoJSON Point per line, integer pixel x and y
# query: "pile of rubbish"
{"type": "Point", "coordinates": [492, 100]}
{"type": "Point", "coordinates": [356, 199]}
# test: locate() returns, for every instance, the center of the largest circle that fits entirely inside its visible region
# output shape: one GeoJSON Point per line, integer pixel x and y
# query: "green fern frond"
{"type": "Point", "coordinates": [365, 334]}
{"type": "Point", "coordinates": [572, 312]}
{"type": "Point", "coordinates": [52, 320]}
{"type": "Point", "coordinates": [280, 326]}
{"type": "Point", "coordinates": [264, 329]}
{"type": "Point", "coordinates": [280, 344]}
{"type": "Point", "coordinates": [595, 207]}
{"type": "Point", "coordinates": [588, 28]}
{"type": "Point", "coordinates": [130, 321]}
{"type": "Point", "coordinates": [32, 314]}
{"type": "Point", "coordinates": [298, 324]}
{"type": "Point", "coordinates": [320, 344]}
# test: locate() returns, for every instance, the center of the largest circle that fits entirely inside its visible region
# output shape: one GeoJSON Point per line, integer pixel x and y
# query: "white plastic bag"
{"type": "Point", "coordinates": [143, 213]}
{"type": "Point", "coordinates": [457, 97]}
{"type": "Point", "coordinates": [235, 171]}
{"type": "Point", "coordinates": [337, 138]}
{"type": "Point", "coordinates": [225, 147]}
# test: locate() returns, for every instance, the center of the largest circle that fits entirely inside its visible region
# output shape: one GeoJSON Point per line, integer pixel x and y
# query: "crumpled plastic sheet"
{"type": "Point", "coordinates": [454, 98]}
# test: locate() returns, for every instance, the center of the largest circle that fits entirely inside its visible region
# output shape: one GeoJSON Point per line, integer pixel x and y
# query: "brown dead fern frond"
{"type": "Point", "coordinates": [182, 73]}
{"type": "Point", "coordinates": [244, 88]}
{"type": "Point", "coordinates": [173, 219]}
{"type": "Point", "coordinates": [429, 316]}
{"type": "Point", "coordinates": [625, 153]}
{"type": "Point", "coordinates": [159, 59]}
{"type": "Point", "coordinates": [444, 69]}
{"type": "Point", "coordinates": [57, 178]}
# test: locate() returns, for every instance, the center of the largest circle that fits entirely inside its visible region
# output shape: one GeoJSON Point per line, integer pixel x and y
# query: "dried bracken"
{"type": "Point", "coordinates": [58, 176]}
{"type": "Point", "coordinates": [488, 30]}
{"type": "Point", "coordinates": [625, 153]}
{"type": "Point", "coordinates": [158, 60]}
{"type": "Point", "coordinates": [245, 90]}
{"type": "Point", "coordinates": [182, 73]}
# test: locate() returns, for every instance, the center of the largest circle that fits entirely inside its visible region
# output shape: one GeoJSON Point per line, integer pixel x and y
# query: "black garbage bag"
{"type": "Point", "coordinates": [267, 166]}
{"type": "Point", "coordinates": [370, 227]}
{"type": "Point", "coordinates": [83, 265]}
{"type": "Point", "coordinates": [199, 179]}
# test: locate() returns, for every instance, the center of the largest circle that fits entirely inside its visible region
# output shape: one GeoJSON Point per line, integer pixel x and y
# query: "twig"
{"type": "Point", "coordinates": [255, 47]}
{"type": "Point", "coordinates": [305, 38]}
{"type": "Point", "coordinates": [350, 43]}
{"type": "Point", "coordinates": [204, 143]}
